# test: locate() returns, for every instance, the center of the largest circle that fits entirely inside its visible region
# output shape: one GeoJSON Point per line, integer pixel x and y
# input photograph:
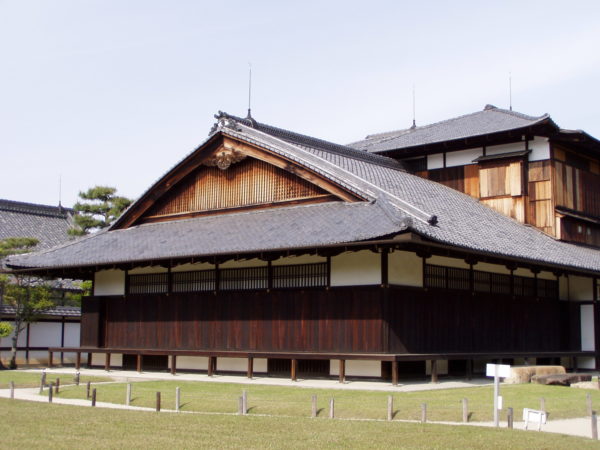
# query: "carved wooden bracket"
{"type": "Point", "coordinates": [225, 158]}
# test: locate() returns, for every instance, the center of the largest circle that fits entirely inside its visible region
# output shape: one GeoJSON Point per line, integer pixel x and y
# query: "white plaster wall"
{"type": "Point", "coordinates": [356, 268]}
{"type": "Point", "coordinates": [586, 362]}
{"type": "Point", "coordinates": [580, 288]}
{"type": "Point", "coordinates": [196, 267]}
{"type": "Point", "coordinates": [463, 157]}
{"type": "Point", "coordinates": [44, 334]}
{"type": "Point", "coordinates": [505, 148]}
{"type": "Point", "coordinates": [98, 359]}
{"type": "Point", "coordinates": [435, 161]}
{"type": "Point", "coordinates": [191, 362]}
{"type": "Point", "coordinates": [494, 268]}
{"type": "Point", "coordinates": [540, 149]}
{"type": "Point", "coordinates": [448, 262]}
{"type": "Point", "coordinates": [405, 269]}
{"type": "Point", "coordinates": [109, 282]}
{"type": "Point", "coordinates": [146, 270]}
{"type": "Point", "coordinates": [7, 341]}
{"type": "Point", "coordinates": [302, 259]}
{"type": "Point", "coordinates": [232, 364]}
{"type": "Point", "coordinates": [246, 263]}
{"type": "Point", "coordinates": [116, 360]}
{"type": "Point", "coordinates": [563, 288]}
{"type": "Point", "coordinates": [356, 368]}
{"type": "Point", "coordinates": [72, 334]}
{"type": "Point", "coordinates": [442, 367]}
{"type": "Point", "coordinates": [587, 327]}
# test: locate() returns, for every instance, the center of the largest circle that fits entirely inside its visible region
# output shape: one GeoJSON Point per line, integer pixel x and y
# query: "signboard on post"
{"type": "Point", "coordinates": [497, 371]}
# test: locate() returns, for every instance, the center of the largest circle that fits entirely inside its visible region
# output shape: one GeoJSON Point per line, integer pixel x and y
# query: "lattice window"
{"type": "Point", "coordinates": [151, 283]}
{"type": "Point", "coordinates": [435, 276]}
{"type": "Point", "coordinates": [300, 275]}
{"type": "Point", "coordinates": [199, 281]}
{"type": "Point", "coordinates": [243, 279]}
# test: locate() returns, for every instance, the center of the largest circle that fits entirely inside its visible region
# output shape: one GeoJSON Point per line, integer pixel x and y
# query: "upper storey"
{"type": "Point", "coordinates": [522, 166]}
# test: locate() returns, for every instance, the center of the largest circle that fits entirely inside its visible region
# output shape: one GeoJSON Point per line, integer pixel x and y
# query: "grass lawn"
{"type": "Point", "coordinates": [40, 425]}
{"type": "Point", "coordinates": [442, 405]}
{"type": "Point", "coordinates": [24, 379]}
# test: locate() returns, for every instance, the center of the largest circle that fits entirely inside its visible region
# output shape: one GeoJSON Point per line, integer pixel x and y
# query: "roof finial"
{"type": "Point", "coordinates": [60, 192]}
{"type": "Point", "coordinates": [414, 124]}
{"type": "Point", "coordinates": [510, 90]}
{"type": "Point", "coordinates": [249, 90]}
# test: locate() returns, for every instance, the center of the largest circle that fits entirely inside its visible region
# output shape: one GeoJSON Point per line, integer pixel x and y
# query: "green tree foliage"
{"type": "Point", "coordinates": [5, 330]}
{"type": "Point", "coordinates": [29, 296]}
{"type": "Point", "coordinates": [99, 207]}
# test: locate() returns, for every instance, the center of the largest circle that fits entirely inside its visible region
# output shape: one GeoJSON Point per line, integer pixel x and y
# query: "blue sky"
{"type": "Point", "coordinates": [116, 92]}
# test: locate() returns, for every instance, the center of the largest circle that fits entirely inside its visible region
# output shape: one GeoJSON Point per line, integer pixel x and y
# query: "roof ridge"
{"type": "Point", "coordinates": [34, 208]}
{"type": "Point", "coordinates": [393, 134]}
{"type": "Point", "coordinates": [321, 144]}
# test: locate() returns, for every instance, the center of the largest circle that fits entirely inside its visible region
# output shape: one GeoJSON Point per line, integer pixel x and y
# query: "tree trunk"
{"type": "Point", "coordinates": [13, 351]}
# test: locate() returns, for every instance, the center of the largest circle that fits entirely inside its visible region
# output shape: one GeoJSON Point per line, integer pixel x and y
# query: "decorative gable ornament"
{"type": "Point", "coordinates": [223, 159]}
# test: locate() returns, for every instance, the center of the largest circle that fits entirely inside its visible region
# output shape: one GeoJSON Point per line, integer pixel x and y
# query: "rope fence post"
{"type": "Point", "coordinates": [128, 395]}
{"type": "Point", "coordinates": [12, 389]}
{"type": "Point", "coordinates": [314, 407]}
{"type": "Point", "coordinates": [158, 402]}
{"type": "Point", "coordinates": [94, 397]}
{"type": "Point", "coordinates": [510, 418]}
{"type": "Point", "coordinates": [594, 426]}
{"type": "Point", "coordinates": [50, 391]}
{"type": "Point", "coordinates": [390, 408]}
{"type": "Point", "coordinates": [465, 410]}
{"type": "Point", "coordinates": [332, 408]}
{"type": "Point", "coordinates": [423, 412]}
{"type": "Point", "coordinates": [177, 399]}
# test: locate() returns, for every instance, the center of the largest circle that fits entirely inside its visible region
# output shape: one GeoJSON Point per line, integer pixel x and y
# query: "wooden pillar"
{"type": "Point", "coordinates": [574, 363]}
{"type": "Point", "coordinates": [469, 371]}
{"type": "Point", "coordinates": [211, 365]}
{"type": "Point", "coordinates": [173, 364]}
{"type": "Point", "coordinates": [294, 369]}
{"type": "Point", "coordinates": [342, 370]}
{"type": "Point", "coordinates": [434, 373]}
{"type": "Point", "coordinates": [269, 275]}
{"type": "Point", "coordinates": [328, 272]}
{"type": "Point", "coordinates": [89, 360]}
{"type": "Point", "coordinates": [596, 310]}
{"type": "Point", "coordinates": [78, 361]}
{"type": "Point", "coordinates": [27, 345]}
{"type": "Point", "coordinates": [107, 361]}
{"type": "Point", "coordinates": [384, 268]}
{"type": "Point", "coordinates": [169, 279]}
{"type": "Point", "coordinates": [395, 373]}
{"type": "Point", "coordinates": [62, 340]}
{"type": "Point", "coordinates": [139, 362]}
{"type": "Point", "coordinates": [250, 372]}
{"type": "Point", "coordinates": [49, 358]}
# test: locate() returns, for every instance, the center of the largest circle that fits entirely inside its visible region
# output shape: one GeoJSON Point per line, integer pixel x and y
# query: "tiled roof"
{"type": "Point", "coordinates": [48, 224]}
{"type": "Point", "coordinates": [396, 201]}
{"type": "Point", "coordinates": [490, 120]}
{"type": "Point", "coordinates": [61, 311]}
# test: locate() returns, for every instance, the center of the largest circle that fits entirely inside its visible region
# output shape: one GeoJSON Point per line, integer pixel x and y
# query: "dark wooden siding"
{"type": "Point", "coordinates": [336, 320]}
{"type": "Point", "coordinates": [91, 322]}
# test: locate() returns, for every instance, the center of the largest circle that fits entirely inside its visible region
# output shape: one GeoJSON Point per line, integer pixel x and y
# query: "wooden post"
{"type": "Point", "coordinates": [87, 390]}
{"type": "Point", "coordinates": [139, 363]}
{"type": "Point", "coordinates": [250, 372]}
{"type": "Point", "coordinates": [177, 399]}
{"type": "Point", "coordinates": [510, 418]}
{"type": "Point", "coordinates": [588, 401]}
{"type": "Point", "coordinates": [390, 408]}
{"type": "Point", "coordinates": [314, 407]}
{"type": "Point", "coordinates": [12, 389]}
{"type": "Point", "coordinates": [50, 390]}
{"type": "Point", "coordinates": [332, 408]}
{"type": "Point", "coordinates": [77, 378]}
{"type": "Point", "coordinates": [423, 412]}
{"type": "Point", "coordinates": [94, 397]}
{"type": "Point", "coordinates": [78, 361]}
{"type": "Point", "coordinates": [594, 426]}
{"type": "Point", "coordinates": [211, 365]}
{"type": "Point", "coordinates": [543, 404]}
{"type": "Point", "coordinates": [434, 374]}
{"type": "Point", "coordinates": [395, 373]}
{"type": "Point", "coordinates": [158, 402]}
{"type": "Point", "coordinates": [294, 369]}
{"type": "Point", "coordinates": [50, 359]}
{"type": "Point", "coordinates": [173, 364]}
{"type": "Point", "coordinates": [244, 402]}
{"type": "Point", "coordinates": [89, 360]}
{"type": "Point", "coordinates": [57, 389]}
{"type": "Point", "coordinates": [342, 370]}
{"type": "Point", "coordinates": [469, 374]}
{"type": "Point", "coordinates": [41, 387]}
{"type": "Point", "coordinates": [128, 395]}
{"type": "Point", "coordinates": [465, 410]}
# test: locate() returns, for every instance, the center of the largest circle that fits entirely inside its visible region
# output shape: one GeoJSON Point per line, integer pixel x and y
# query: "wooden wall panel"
{"type": "Point", "coordinates": [509, 206]}
{"type": "Point", "coordinates": [91, 322]}
{"type": "Point", "coordinates": [247, 183]}
{"type": "Point", "coordinates": [353, 319]}
{"type": "Point", "coordinates": [471, 174]}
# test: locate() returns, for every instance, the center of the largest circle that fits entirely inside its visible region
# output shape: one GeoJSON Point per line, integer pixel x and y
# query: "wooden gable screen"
{"type": "Point", "coordinates": [248, 183]}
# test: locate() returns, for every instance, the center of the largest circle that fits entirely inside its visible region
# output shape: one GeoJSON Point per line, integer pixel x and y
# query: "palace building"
{"type": "Point", "coordinates": [267, 251]}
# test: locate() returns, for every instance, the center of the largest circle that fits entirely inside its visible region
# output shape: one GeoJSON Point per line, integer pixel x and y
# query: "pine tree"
{"type": "Point", "coordinates": [98, 209]}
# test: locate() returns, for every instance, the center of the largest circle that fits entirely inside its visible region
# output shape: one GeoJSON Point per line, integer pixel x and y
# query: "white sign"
{"type": "Point", "coordinates": [503, 370]}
